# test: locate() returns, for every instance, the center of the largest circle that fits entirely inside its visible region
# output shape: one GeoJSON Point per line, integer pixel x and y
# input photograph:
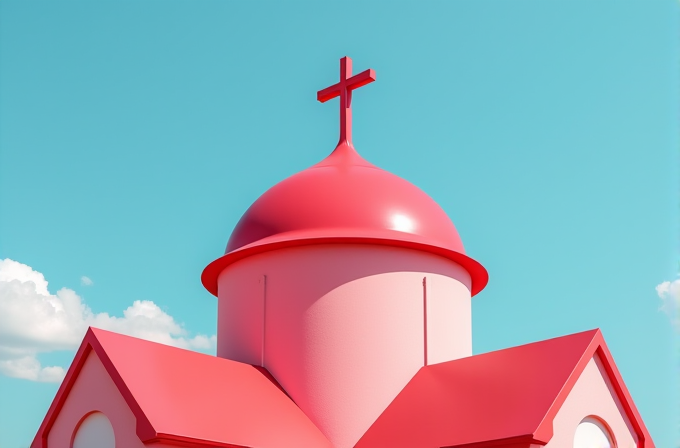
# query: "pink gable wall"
{"type": "Point", "coordinates": [592, 396]}
{"type": "Point", "coordinates": [94, 390]}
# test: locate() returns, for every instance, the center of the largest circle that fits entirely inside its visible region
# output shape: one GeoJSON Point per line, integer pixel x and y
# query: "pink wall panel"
{"type": "Point", "coordinates": [449, 319]}
{"type": "Point", "coordinates": [240, 316]}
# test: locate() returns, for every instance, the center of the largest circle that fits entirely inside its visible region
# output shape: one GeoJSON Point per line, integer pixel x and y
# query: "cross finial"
{"type": "Point", "coordinates": [343, 89]}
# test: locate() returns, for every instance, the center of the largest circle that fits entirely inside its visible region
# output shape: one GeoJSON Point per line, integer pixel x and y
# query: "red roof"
{"type": "Point", "coordinates": [188, 398]}
{"type": "Point", "coordinates": [345, 199]}
{"type": "Point", "coordinates": [506, 396]}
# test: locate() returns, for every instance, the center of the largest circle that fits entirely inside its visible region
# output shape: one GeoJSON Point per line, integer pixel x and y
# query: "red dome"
{"type": "Point", "coordinates": [345, 199]}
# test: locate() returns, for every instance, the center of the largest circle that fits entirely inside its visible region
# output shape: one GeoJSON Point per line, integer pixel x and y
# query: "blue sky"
{"type": "Point", "coordinates": [133, 135]}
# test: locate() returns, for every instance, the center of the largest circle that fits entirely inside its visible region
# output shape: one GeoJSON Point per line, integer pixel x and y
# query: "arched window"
{"type": "Point", "coordinates": [95, 431]}
{"type": "Point", "coordinates": [592, 433]}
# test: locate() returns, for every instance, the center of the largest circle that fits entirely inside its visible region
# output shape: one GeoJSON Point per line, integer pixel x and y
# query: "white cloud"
{"type": "Point", "coordinates": [669, 292]}
{"type": "Point", "coordinates": [33, 321]}
{"type": "Point", "coordinates": [86, 281]}
{"type": "Point", "coordinates": [28, 368]}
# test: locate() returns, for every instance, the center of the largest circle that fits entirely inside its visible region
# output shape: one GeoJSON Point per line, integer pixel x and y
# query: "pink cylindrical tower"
{"type": "Point", "coordinates": [343, 280]}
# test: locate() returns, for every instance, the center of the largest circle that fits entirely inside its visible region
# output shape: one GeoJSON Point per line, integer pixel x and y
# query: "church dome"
{"type": "Point", "coordinates": [345, 199]}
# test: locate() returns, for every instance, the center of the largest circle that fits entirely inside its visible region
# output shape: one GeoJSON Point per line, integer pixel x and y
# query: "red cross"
{"type": "Point", "coordinates": [343, 89]}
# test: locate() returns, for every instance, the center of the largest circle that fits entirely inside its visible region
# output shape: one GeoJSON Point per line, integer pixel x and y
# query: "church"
{"type": "Point", "coordinates": [344, 321]}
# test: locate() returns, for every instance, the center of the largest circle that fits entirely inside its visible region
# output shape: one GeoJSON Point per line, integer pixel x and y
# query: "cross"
{"type": "Point", "coordinates": [343, 89]}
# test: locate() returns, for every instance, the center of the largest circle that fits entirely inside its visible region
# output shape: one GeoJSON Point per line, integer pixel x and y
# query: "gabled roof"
{"type": "Point", "coordinates": [497, 398]}
{"type": "Point", "coordinates": [186, 398]}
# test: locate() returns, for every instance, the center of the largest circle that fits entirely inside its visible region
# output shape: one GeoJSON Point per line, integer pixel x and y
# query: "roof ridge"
{"type": "Point", "coordinates": [543, 341]}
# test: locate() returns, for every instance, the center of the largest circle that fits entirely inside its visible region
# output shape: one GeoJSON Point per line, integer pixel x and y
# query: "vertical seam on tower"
{"type": "Point", "coordinates": [264, 316]}
{"type": "Point", "coordinates": [425, 321]}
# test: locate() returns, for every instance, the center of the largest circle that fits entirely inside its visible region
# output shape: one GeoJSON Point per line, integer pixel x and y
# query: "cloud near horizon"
{"type": "Point", "coordinates": [669, 292]}
{"type": "Point", "coordinates": [33, 321]}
